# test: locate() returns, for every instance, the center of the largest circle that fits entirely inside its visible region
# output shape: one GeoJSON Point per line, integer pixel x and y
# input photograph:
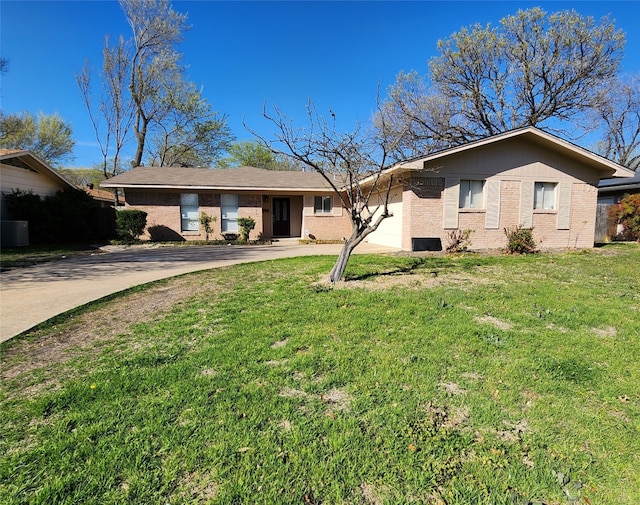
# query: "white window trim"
{"type": "Point", "coordinates": [480, 206]}
{"type": "Point", "coordinates": [544, 185]}
{"type": "Point", "coordinates": [229, 223]}
{"type": "Point", "coordinates": [323, 199]}
{"type": "Point", "coordinates": [189, 223]}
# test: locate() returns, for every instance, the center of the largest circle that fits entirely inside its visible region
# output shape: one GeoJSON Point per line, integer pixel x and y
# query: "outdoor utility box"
{"type": "Point", "coordinates": [426, 244]}
{"type": "Point", "coordinates": [14, 233]}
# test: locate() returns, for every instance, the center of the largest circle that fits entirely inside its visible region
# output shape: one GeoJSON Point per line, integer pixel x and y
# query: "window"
{"type": "Point", "coordinates": [471, 194]}
{"type": "Point", "coordinates": [323, 204]}
{"type": "Point", "coordinates": [229, 208]}
{"type": "Point", "coordinates": [544, 197]}
{"type": "Point", "coordinates": [189, 212]}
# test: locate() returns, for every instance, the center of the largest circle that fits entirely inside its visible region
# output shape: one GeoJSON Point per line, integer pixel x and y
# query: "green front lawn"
{"type": "Point", "coordinates": [475, 380]}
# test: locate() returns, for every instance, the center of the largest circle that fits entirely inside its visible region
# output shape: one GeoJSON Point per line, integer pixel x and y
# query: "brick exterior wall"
{"type": "Point", "coordinates": [164, 221]}
{"type": "Point", "coordinates": [423, 217]}
{"type": "Point", "coordinates": [163, 213]}
{"type": "Point", "coordinates": [328, 227]}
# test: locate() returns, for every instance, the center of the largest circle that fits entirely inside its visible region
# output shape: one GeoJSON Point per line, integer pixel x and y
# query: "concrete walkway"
{"type": "Point", "coordinates": [31, 295]}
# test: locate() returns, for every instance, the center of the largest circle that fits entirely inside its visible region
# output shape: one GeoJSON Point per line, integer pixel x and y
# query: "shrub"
{"type": "Point", "coordinates": [130, 224]}
{"type": "Point", "coordinates": [207, 221]}
{"type": "Point", "coordinates": [246, 224]}
{"type": "Point", "coordinates": [458, 240]}
{"type": "Point", "coordinates": [230, 236]}
{"type": "Point", "coordinates": [627, 213]}
{"type": "Point", "coordinates": [520, 240]}
{"type": "Point", "coordinates": [66, 217]}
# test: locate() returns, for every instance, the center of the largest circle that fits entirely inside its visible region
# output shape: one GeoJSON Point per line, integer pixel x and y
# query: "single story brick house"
{"type": "Point", "coordinates": [283, 204]}
{"type": "Point", "coordinates": [522, 177]}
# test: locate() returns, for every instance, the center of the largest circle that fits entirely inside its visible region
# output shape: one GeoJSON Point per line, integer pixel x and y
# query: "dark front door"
{"type": "Point", "coordinates": [281, 217]}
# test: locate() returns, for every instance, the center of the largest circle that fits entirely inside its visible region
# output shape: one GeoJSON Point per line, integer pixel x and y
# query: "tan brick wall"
{"type": "Point", "coordinates": [423, 217]}
{"type": "Point", "coordinates": [581, 234]}
{"type": "Point", "coordinates": [163, 213]}
{"type": "Point", "coordinates": [163, 216]}
{"type": "Point", "coordinates": [328, 227]}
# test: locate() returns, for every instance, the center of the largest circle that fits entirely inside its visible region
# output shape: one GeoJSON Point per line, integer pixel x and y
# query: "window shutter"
{"type": "Point", "coordinates": [308, 205]}
{"type": "Point", "coordinates": [492, 219]}
{"type": "Point", "coordinates": [564, 206]}
{"type": "Point", "coordinates": [526, 204]}
{"type": "Point", "coordinates": [451, 202]}
{"type": "Point", "coordinates": [337, 207]}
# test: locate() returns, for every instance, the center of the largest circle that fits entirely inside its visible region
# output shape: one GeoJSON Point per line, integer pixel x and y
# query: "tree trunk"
{"type": "Point", "coordinates": [337, 272]}
{"type": "Point", "coordinates": [141, 136]}
{"type": "Point", "coordinates": [358, 234]}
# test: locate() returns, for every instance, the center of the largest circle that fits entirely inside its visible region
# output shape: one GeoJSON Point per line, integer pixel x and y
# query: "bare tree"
{"type": "Point", "coordinates": [114, 105]}
{"type": "Point", "coordinates": [418, 116]}
{"type": "Point", "coordinates": [353, 164]}
{"type": "Point", "coordinates": [535, 69]}
{"type": "Point", "coordinates": [157, 29]}
{"type": "Point", "coordinates": [619, 108]}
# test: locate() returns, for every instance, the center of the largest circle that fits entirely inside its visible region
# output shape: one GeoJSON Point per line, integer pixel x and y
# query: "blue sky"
{"type": "Point", "coordinates": [244, 53]}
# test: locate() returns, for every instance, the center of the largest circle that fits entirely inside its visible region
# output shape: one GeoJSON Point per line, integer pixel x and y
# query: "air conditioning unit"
{"type": "Point", "coordinates": [14, 233]}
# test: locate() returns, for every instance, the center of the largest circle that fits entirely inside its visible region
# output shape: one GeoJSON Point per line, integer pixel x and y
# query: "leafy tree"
{"type": "Point", "coordinates": [254, 154]}
{"type": "Point", "coordinates": [248, 154]}
{"type": "Point", "coordinates": [535, 69]}
{"type": "Point", "coordinates": [48, 136]}
{"type": "Point", "coordinates": [83, 177]}
{"type": "Point", "coordinates": [189, 133]}
{"type": "Point", "coordinates": [4, 65]}
{"type": "Point", "coordinates": [352, 163]}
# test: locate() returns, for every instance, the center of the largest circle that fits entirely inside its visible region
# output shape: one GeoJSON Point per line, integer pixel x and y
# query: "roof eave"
{"type": "Point", "coordinates": [607, 167]}
{"type": "Point", "coordinates": [211, 188]}
{"type": "Point", "coordinates": [41, 165]}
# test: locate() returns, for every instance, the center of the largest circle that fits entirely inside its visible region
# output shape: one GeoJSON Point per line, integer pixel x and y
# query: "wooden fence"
{"type": "Point", "coordinates": [605, 226]}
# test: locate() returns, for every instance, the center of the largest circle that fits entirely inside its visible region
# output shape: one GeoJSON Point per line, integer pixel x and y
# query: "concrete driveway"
{"type": "Point", "coordinates": [31, 295]}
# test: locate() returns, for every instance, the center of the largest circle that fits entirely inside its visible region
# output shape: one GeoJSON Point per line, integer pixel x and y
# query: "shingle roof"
{"type": "Point", "coordinates": [620, 184]}
{"type": "Point", "coordinates": [98, 194]}
{"type": "Point", "coordinates": [4, 152]}
{"type": "Point", "coordinates": [242, 178]}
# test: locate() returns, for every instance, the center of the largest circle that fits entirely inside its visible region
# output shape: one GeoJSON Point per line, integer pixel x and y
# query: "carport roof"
{"type": "Point", "coordinates": [242, 178]}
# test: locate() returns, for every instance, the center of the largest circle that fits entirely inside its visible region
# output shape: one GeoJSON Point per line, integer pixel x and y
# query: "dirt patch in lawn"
{"type": "Point", "coordinates": [109, 322]}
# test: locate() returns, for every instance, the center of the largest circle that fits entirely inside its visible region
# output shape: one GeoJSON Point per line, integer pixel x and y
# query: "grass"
{"type": "Point", "coordinates": [472, 379]}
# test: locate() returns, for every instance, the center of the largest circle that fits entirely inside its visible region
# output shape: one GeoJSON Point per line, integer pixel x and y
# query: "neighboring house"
{"type": "Point", "coordinates": [611, 191]}
{"type": "Point", "coordinates": [283, 204]}
{"type": "Point", "coordinates": [25, 171]}
{"type": "Point", "coordinates": [523, 177]}
{"type": "Point", "coordinates": [103, 198]}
